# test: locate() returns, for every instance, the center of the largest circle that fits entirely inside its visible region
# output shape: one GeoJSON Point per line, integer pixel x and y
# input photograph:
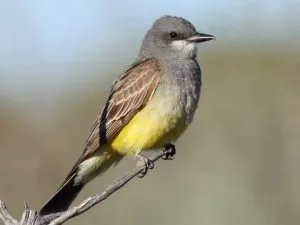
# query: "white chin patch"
{"type": "Point", "coordinates": [187, 49]}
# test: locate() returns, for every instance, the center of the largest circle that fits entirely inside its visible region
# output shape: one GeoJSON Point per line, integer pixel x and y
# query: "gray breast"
{"type": "Point", "coordinates": [186, 79]}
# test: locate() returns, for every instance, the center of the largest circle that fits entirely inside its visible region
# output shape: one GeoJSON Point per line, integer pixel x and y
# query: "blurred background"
{"type": "Point", "coordinates": [237, 164]}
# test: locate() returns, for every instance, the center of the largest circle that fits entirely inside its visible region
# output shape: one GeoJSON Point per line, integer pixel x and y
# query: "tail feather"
{"type": "Point", "coordinates": [63, 198]}
{"type": "Point", "coordinates": [83, 172]}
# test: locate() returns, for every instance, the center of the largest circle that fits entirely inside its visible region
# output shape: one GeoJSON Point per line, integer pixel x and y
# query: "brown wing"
{"type": "Point", "coordinates": [129, 94]}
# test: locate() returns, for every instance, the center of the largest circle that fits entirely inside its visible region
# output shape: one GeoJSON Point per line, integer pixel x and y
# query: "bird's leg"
{"type": "Point", "coordinates": [147, 163]}
{"type": "Point", "coordinates": [169, 151]}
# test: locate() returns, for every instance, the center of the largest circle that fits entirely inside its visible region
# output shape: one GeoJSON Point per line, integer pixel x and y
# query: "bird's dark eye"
{"type": "Point", "coordinates": [173, 34]}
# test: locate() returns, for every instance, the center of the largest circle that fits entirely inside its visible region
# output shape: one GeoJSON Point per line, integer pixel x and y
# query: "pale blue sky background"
{"type": "Point", "coordinates": [45, 45]}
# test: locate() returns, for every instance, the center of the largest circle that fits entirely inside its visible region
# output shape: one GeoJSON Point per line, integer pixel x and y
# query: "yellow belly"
{"type": "Point", "coordinates": [152, 127]}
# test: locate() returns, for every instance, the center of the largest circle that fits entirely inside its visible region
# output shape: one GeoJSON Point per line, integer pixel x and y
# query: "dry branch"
{"type": "Point", "coordinates": [31, 217]}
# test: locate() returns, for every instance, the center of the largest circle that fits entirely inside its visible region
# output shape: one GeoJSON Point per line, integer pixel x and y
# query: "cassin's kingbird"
{"type": "Point", "coordinates": [149, 106]}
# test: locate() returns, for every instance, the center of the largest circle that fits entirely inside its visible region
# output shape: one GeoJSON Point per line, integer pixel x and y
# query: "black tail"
{"type": "Point", "coordinates": [63, 198]}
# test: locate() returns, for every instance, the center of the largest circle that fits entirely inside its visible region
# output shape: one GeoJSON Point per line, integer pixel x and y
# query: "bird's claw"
{"type": "Point", "coordinates": [147, 163]}
{"type": "Point", "coordinates": [169, 152]}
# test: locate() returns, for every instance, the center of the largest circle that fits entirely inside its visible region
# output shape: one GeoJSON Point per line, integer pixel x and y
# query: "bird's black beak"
{"type": "Point", "coordinates": [200, 37]}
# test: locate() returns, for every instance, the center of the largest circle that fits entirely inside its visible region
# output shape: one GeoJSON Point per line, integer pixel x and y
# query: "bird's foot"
{"type": "Point", "coordinates": [169, 152]}
{"type": "Point", "coordinates": [147, 163]}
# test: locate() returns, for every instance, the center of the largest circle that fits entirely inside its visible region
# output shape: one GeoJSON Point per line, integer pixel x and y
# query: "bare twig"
{"type": "Point", "coordinates": [5, 216]}
{"type": "Point", "coordinates": [31, 217]}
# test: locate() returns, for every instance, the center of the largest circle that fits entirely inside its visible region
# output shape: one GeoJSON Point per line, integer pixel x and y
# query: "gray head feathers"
{"type": "Point", "coordinates": [167, 39]}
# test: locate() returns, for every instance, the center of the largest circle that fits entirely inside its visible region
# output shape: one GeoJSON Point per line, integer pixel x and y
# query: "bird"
{"type": "Point", "coordinates": [149, 106]}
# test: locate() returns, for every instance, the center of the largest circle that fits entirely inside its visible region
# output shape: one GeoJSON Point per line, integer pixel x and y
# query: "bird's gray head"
{"type": "Point", "coordinates": [172, 37]}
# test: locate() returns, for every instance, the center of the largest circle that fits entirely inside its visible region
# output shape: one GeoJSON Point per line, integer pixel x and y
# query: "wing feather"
{"type": "Point", "coordinates": [129, 94]}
